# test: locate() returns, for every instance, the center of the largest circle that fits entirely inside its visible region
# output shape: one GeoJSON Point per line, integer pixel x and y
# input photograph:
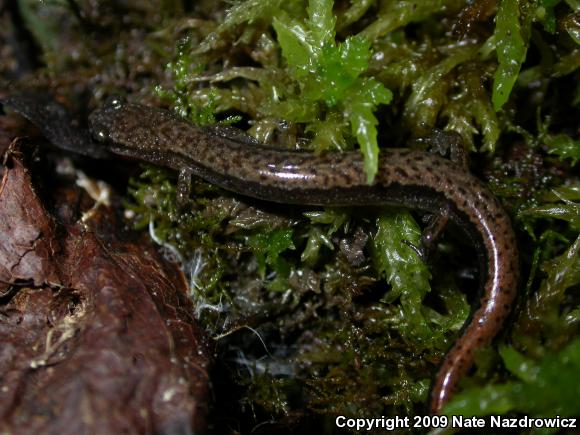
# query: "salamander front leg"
{"type": "Point", "coordinates": [183, 187]}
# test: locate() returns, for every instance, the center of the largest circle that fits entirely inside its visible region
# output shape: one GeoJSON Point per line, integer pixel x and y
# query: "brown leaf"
{"type": "Point", "coordinates": [103, 339]}
{"type": "Point", "coordinates": [27, 239]}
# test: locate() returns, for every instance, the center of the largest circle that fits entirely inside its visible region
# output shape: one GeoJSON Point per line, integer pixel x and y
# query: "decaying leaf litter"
{"type": "Point", "coordinates": [97, 333]}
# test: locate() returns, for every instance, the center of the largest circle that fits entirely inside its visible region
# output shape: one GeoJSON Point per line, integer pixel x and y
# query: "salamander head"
{"type": "Point", "coordinates": [126, 129]}
{"type": "Point", "coordinates": [103, 120]}
{"type": "Point", "coordinates": [135, 131]}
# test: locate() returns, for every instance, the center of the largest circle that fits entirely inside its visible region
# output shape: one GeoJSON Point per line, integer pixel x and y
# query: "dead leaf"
{"type": "Point", "coordinates": [102, 339]}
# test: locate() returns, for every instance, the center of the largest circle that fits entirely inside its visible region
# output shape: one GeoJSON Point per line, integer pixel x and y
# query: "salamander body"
{"type": "Point", "coordinates": [408, 178]}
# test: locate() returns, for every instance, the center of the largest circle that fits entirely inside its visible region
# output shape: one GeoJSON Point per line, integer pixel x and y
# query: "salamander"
{"type": "Point", "coordinates": [409, 178]}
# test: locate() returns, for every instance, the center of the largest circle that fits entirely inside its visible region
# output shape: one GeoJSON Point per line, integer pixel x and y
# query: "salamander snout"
{"type": "Point", "coordinates": [101, 119]}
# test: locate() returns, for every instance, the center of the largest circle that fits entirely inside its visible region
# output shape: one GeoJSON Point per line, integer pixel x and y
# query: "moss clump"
{"type": "Point", "coordinates": [324, 67]}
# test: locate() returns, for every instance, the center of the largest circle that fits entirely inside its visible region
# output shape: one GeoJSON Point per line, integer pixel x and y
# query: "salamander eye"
{"type": "Point", "coordinates": [115, 101]}
{"type": "Point", "coordinates": [100, 135]}
{"type": "Point", "coordinates": [98, 125]}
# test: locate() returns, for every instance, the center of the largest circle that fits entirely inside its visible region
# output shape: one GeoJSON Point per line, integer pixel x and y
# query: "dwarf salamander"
{"type": "Point", "coordinates": [408, 178]}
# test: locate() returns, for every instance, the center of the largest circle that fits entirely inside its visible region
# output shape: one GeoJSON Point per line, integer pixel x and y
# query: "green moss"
{"type": "Point", "coordinates": [511, 40]}
{"type": "Point", "coordinates": [372, 319]}
{"type": "Point", "coordinates": [541, 389]}
{"type": "Point", "coordinates": [183, 234]}
{"type": "Point", "coordinates": [564, 146]}
{"type": "Point", "coordinates": [404, 271]}
{"type": "Point", "coordinates": [267, 248]}
{"type": "Point", "coordinates": [329, 79]}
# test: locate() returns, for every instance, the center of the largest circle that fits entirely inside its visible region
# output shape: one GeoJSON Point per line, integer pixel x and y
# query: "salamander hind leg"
{"type": "Point", "coordinates": [436, 224]}
{"type": "Point", "coordinates": [446, 144]}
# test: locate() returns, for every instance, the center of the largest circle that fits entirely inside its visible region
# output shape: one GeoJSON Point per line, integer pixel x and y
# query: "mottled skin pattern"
{"type": "Point", "coordinates": [406, 178]}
